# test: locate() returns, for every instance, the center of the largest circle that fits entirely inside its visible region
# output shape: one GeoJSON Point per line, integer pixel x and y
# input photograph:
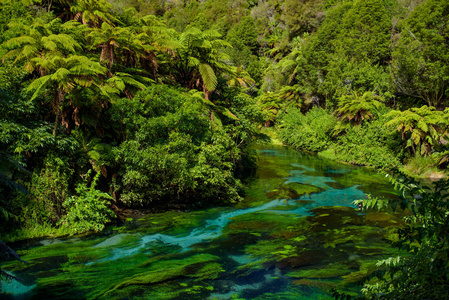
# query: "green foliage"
{"type": "Point", "coordinates": [311, 132]}
{"type": "Point", "coordinates": [200, 59]}
{"type": "Point", "coordinates": [8, 186]}
{"type": "Point", "coordinates": [170, 146]}
{"type": "Point", "coordinates": [371, 203]}
{"type": "Point", "coordinates": [421, 128]}
{"type": "Point", "coordinates": [302, 16]}
{"type": "Point", "coordinates": [88, 210]}
{"type": "Point", "coordinates": [423, 273]}
{"type": "Point", "coordinates": [10, 10]}
{"type": "Point", "coordinates": [49, 189]}
{"type": "Point", "coordinates": [353, 34]}
{"type": "Point", "coordinates": [245, 33]}
{"type": "Point", "coordinates": [421, 58]}
{"type": "Point", "coordinates": [355, 108]}
{"type": "Point", "coordinates": [174, 153]}
{"type": "Point", "coordinates": [370, 144]}
{"type": "Point", "coordinates": [92, 13]}
{"type": "Point", "coordinates": [346, 74]}
{"type": "Point", "coordinates": [270, 105]}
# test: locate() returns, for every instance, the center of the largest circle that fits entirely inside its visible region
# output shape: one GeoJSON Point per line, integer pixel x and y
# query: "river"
{"type": "Point", "coordinates": [296, 235]}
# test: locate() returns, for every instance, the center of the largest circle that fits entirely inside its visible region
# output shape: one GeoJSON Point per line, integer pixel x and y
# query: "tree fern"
{"type": "Point", "coordinates": [356, 108]}
{"type": "Point", "coordinates": [208, 76]}
{"type": "Point", "coordinates": [422, 128]}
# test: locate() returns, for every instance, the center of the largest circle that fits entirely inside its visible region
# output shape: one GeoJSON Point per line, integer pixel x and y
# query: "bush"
{"type": "Point", "coordinates": [421, 272]}
{"type": "Point", "coordinates": [50, 186]}
{"type": "Point", "coordinates": [88, 210]}
{"type": "Point", "coordinates": [311, 132]}
{"type": "Point", "coordinates": [176, 155]}
{"type": "Point", "coordinates": [371, 144]}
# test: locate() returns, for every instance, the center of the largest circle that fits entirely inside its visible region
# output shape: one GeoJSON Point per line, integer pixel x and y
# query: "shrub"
{"type": "Point", "coordinates": [176, 154]}
{"type": "Point", "coordinates": [88, 210]}
{"type": "Point", "coordinates": [370, 144]}
{"type": "Point", "coordinates": [311, 132]}
{"type": "Point", "coordinates": [420, 272]}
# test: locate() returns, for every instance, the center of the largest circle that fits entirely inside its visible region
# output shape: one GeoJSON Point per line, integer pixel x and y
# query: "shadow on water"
{"type": "Point", "coordinates": [296, 234]}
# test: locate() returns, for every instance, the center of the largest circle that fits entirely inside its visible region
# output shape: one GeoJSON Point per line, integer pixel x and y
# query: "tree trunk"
{"type": "Point", "coordinates": [58, 109]}
{"type": "Point", "coordinates": [56, 121]}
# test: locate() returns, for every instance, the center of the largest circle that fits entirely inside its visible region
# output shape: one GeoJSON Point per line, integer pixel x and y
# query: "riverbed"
{"type": "Point", "coordinates": [296, 235]}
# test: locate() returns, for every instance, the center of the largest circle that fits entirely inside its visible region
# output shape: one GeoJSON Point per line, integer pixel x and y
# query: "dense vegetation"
{"type": "Point", "coordinates": [152, 104]}
{"type": "Point", "coordinates": [105, 107]}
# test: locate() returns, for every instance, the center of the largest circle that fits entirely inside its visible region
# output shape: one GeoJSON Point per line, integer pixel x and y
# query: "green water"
{"type": "Point", "coordinates": [296, 235]}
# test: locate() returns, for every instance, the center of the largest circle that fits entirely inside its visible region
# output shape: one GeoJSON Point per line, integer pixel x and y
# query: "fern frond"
{"type": "Point", "coordinates": [390, 262]}
{"type": "Point", "coordinates": [208, 76]}
{"type": "Point", "coordinates": [39, 84]}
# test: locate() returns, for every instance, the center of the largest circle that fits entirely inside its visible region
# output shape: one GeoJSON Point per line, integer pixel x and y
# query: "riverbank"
{"type": "Point", "coordinates": [423, 168]}
{"type": "Point", "coordinates": [295, 235]}
{"type": "Point", "coordinates": [419, 168]}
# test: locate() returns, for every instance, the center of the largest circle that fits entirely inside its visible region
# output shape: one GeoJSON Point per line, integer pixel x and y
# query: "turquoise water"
{"type": "Point", "coordinates": [295, 235]}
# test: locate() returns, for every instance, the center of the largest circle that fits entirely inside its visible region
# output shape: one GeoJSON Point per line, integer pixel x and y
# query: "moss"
{"type": "Point", "coordinates": [391, 234]}
{"type": "Point", "coordinates": [267, 223]}
{"type": "Point", "coordinates": [255, 193]}
{"type": "Point", "coordinates": [208, 271]}
{"type": "Point", "coordinates": [294, 292]}
{"type": "Point", "coordinates": [160, 271]}
{"type": "Point", "coordinates": [304, 258]}
{"type": "Point", "coordinates": [349, 234]}
{"type": "Point", "coordinates": [54, 254]}
{"type": "Point", "coordinates": [292, 190]}
{"type": "Point", "coordinates": [331, 270]}
{"type": "Point", "coordinates": [174, 222]}
{"type": "Point", "coordinates": [328, 218]}
{"type": "Point", "coordinates": [367, 267]}
{"type": "Point", "coordinates": [369, 181]}
{"type": "Point", "coordinates": [383, 219]}
{"type": "Point", "coordinates": [162, 291]}
{"type": "Point", "coordinates": [266, 249]}
{"type": "Point", "coordinates": [321, 284]}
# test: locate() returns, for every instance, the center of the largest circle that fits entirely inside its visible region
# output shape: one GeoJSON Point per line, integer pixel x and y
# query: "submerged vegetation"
{"type": "Point", "coordinates": [108, 108]}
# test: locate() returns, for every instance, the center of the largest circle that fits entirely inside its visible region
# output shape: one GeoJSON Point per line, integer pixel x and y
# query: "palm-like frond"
{"type": "Point", "coordinates": [423, 127]}
{"type": "Point", "coordinates": [93, 12]}
{"type": "Point", "coordinates": [38, 85]}
{"type": "Point", "coordinates": [357, 108]}
{"type": "Point", "coordinates": [199, 59]}
{"type": "Point", "coordinates": [240, 78]}
{"type": "Point", "coordinates": [208, 76]}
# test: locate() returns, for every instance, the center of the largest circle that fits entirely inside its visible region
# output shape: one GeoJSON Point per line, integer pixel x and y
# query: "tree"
{"type": "Point", "coordinates": [126, 83]}
{"type": "Point", "coordinates": [302, 16]}
{"type": "Point", "coordinates": [420, 127]}
{"type": "Point", "coordinates": [357, 108]}
{"type": "Point", "coordinates": [199, 60]}
{"type": "Point", "coordinates": [244, 32]}
{"type": "Point", "coordinates": [353, 33]}
{"type": "Point", "coordinates": [421, 58]}
{"type": "Point", "coordinates": [63, 75]}
{"type": "Point", "coordinates": [108, 38]}
{"type": "Point", "coordinates": [92, 12]}
{"type": "Point", "coordinates": [240, 78]}
{"type": "Point", "coordinates": [153, 38]}
{"type": "Point", "coordinates": [39, 40]}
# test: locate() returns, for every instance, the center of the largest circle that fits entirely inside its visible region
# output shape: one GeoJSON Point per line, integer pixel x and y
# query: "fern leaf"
{"type": "Point", "coordinates": [208, 76]}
